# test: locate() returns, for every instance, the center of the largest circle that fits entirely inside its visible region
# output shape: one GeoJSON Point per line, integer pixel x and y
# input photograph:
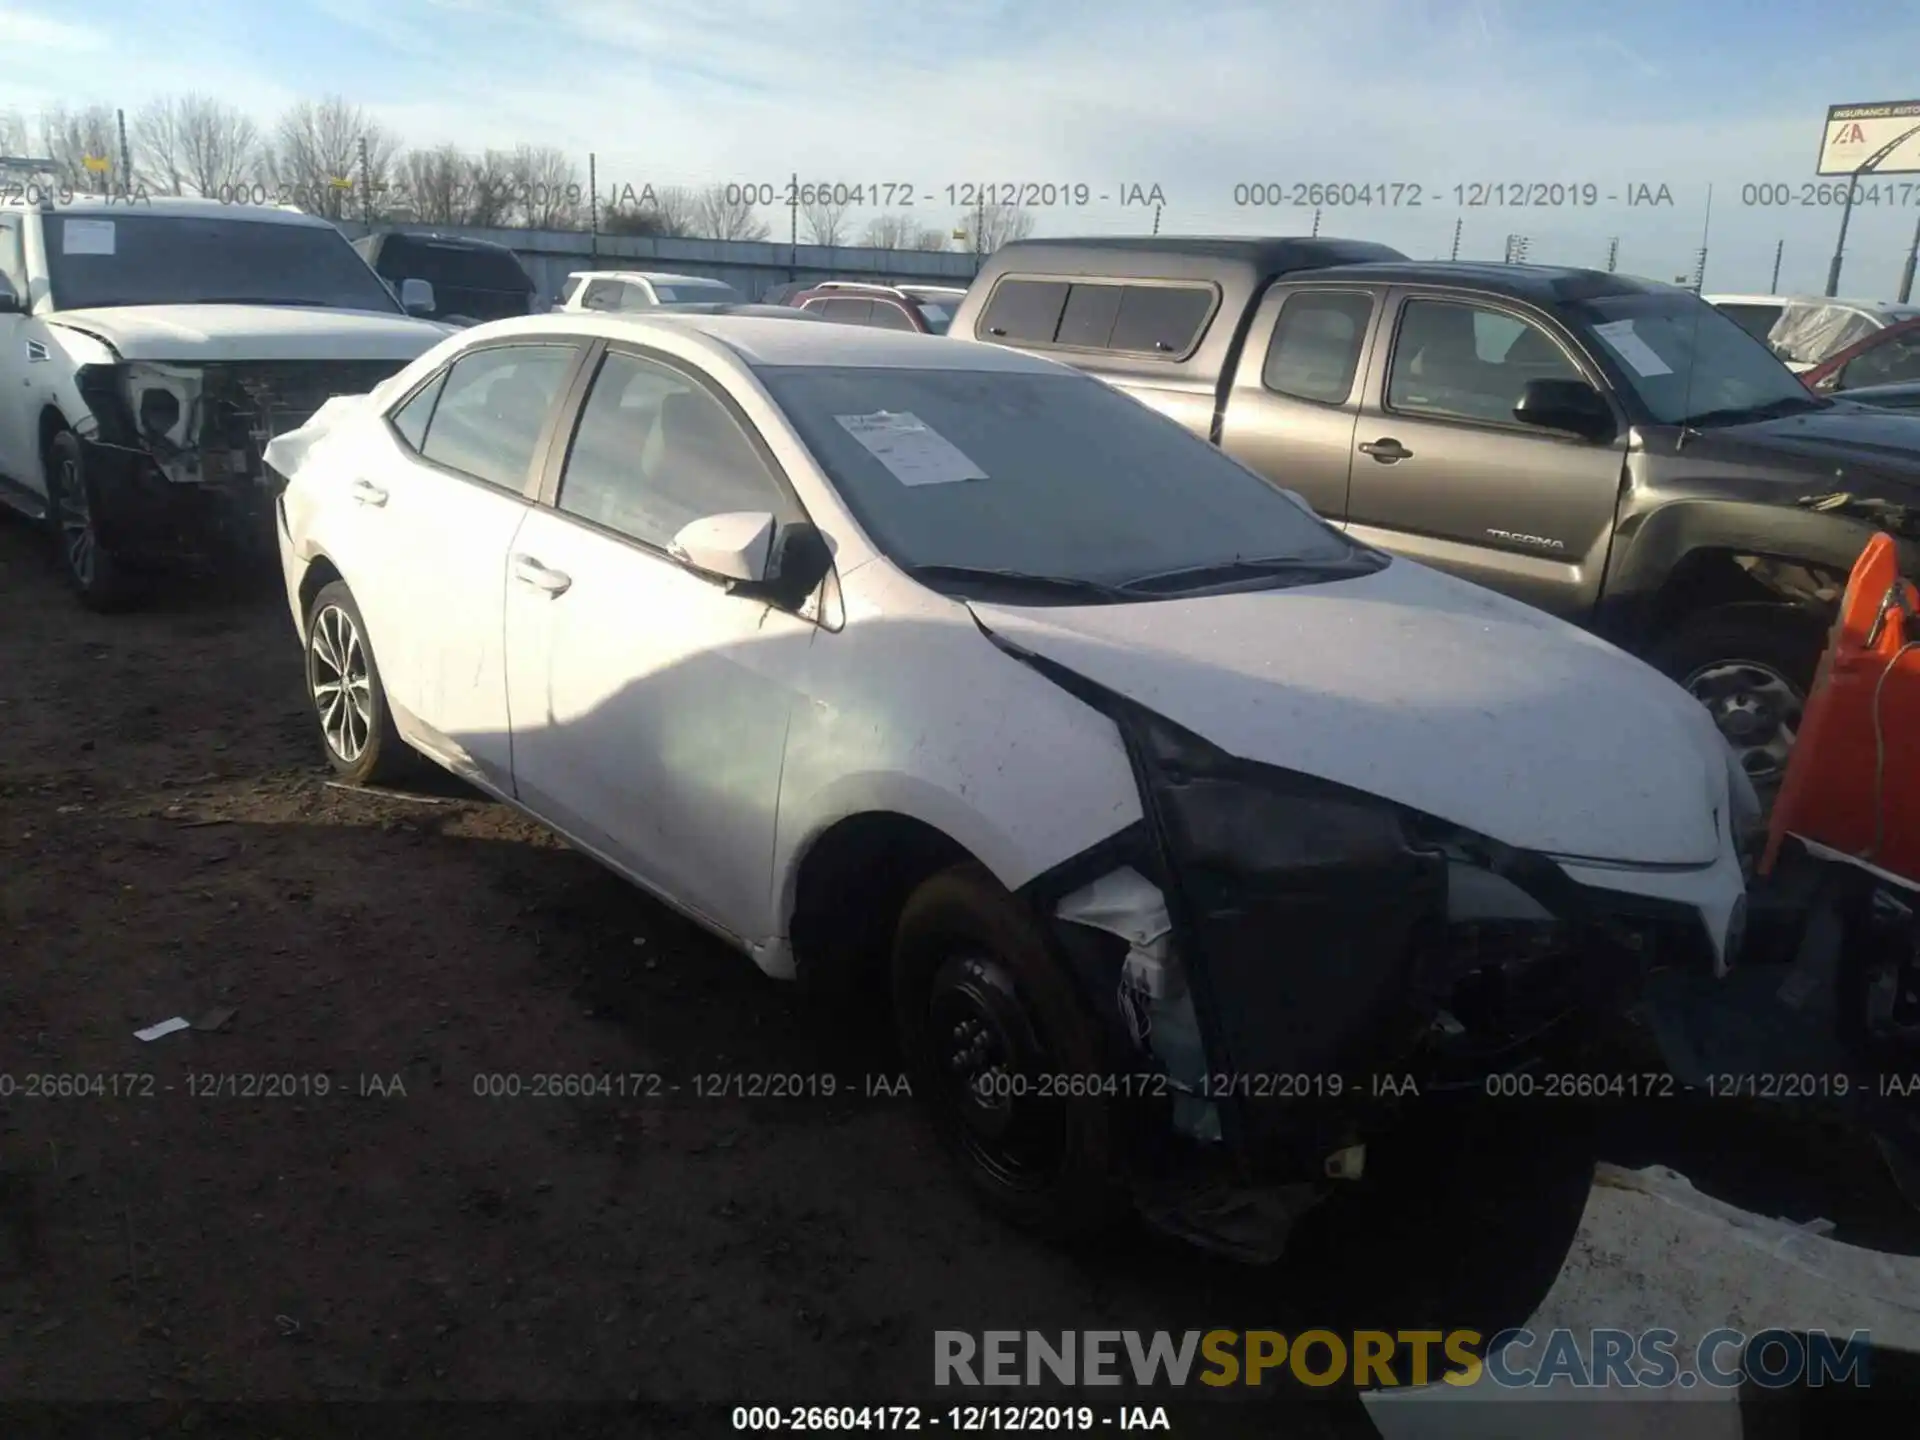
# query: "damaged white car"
{"type": "Point", "coordinates": [149, 349]}
{"type": "Point", "coordinates": [1165, 816]}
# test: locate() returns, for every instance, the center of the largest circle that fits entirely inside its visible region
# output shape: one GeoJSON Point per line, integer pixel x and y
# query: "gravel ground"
{"type": "Point", "coordinates": [366, 1226]}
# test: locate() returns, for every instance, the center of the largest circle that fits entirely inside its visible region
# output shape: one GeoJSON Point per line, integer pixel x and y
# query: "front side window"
{"type": "Point", "coordinates": [845, 311]}
{"type": "Point", "coordinates": [1316, 345]}
{"type": "Point", "coordinates": [654, 451]}
{"type": "Point", "coordinates": [492, 407]}
{"type": "Point", "coordinates": [1468, 362]}
{"type": "Point", "coordinates": [570, 289]}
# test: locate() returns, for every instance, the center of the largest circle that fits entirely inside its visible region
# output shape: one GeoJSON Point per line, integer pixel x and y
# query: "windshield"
{"type": "Point", "coordinates": [136, 259]}
{"type": "Point", "coordinates": [681, 292]}
{"type": "Point", "coordinates": [1043, 475]}
{"type": "Point", "coordinates": [1688, 362]}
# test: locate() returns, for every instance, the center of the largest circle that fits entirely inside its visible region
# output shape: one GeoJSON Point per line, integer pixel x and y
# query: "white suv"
{"type": "Point", "coordinates": [605, 290]}
{"type": "Point", "coordinates": [1168, 819]}
{"type": "Point", "coordinates": [149, 350]}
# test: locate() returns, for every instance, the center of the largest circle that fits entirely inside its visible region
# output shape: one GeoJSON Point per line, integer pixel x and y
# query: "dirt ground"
{"type": "Point", "coordinates": [170, 845]}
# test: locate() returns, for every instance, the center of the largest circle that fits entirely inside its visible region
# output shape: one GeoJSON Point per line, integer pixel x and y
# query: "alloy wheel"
{"type": "Point", "coordinates": [77, 542]}
{"type": "Point", "coordinates": [1756, 708]}
{"type": "Point", "coordinates": [341, 681]}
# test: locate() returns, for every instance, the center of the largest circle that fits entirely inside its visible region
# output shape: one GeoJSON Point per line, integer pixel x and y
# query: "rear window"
{"type": "Point", "coordinates": [461, 267]}
{"type": "Point", "coordinates": [1134, 319]}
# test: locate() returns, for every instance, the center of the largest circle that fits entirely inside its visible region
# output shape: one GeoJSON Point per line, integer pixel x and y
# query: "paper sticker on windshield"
{"type": "Point", "coordinates": [86, 237]}
{"type": "Point", "coordinates": [911, 449]}
{"type": "Point", "coordinates": [1631, 348]}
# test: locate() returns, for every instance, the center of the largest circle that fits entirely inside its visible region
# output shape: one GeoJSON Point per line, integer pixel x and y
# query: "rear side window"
{"type": "Point", "coordinates": [1161, 319]}
{"type": "Point", "coordinates": [889, 316]}
{"type": "Point", "coordinates": [1024, 311]}
{"type": "Point", "coordinates": [493, 405]}
{"type": "Point", "coordinates": [1087, 321]}
{"type": "Point", "coordinates": [846, 312]}
{"type": "Point", "coordinates": [411, 418]}
{"type": "Point", "coordinates": [1316, 345]}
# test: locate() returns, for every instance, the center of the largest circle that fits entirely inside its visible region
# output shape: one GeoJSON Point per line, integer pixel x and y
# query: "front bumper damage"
{"type": "Point", "coordinates": [173, 453]}
{"type": "Point", "coordinates": [1301, 962]}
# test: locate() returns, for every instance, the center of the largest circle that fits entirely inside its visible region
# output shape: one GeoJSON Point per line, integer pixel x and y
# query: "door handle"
{"type": "Point", "coordinates": [1386, 450]}
{"type": "Point", "coordinates": [368, 493]}
{"type": "Point", "coordinates": [529, 571]}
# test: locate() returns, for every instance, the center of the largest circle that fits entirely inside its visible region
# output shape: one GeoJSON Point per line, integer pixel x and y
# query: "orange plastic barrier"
{"type": "Point", "coordinates": [1853, 779]}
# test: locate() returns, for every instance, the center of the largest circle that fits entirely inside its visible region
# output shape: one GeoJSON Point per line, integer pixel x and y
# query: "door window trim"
{"type": "Point", "coordinates": [528, 491]}
{"type": "Point", "coordinates": [1513, 310]}
{"type": "Point", "coordinates": [1376, 308]}
{"type": "Point", "coordinates": [573, 405]}
{"type": "Point", "coordinates": [1120, 282]}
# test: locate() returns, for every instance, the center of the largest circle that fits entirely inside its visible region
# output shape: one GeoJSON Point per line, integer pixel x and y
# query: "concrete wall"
{"type": "Point", "coordinates": [750, 266]}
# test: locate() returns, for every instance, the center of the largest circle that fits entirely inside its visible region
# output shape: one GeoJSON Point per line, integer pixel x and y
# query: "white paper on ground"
{"type": "Point", "coordinates": [86, 237]}
{"type": "Point", "coordinates": [1621, 339]}
{"type": "Point", "coordinates": [165, 1027]}
{"type": "Point", "coordinates": [911, 449]}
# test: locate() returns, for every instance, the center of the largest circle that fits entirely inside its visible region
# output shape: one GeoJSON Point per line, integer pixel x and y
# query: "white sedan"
{"type": "Point", "coordinates": [1165, 816]}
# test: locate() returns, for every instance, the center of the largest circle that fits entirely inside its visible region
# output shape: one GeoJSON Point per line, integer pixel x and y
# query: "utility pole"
{"type": "Point", "coordinates": [366, 186]}
{"type": "Point", "coordinates": [1846, 213]}
{"type": "Point", "coordinates": [1316, 219]}
{"type": "Point", "coordinates": [979, 230]}
{"type": "Point", "coordinates": [593, 212]}
{"type": "Point", "coordinates": [1613, 254]}
{"type": "Point", "coordinates": [1906, 271]}
{"type": "Point", "coordinates": [793, 228]}
{"type": "Point", "coordinates": [1457, 225]}
{"type": "Point", "coordinates": [1779, 249]}
{"type": "Point", "coordinates": [126, 154]}
{"type": "Point", "coordinates": [1156, 226]}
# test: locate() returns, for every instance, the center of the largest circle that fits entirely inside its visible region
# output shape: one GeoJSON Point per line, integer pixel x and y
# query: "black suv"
{"type": "Point", "coordinates": [473, 280]}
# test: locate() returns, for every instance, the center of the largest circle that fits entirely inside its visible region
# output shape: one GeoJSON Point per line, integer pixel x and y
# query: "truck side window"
{"type": "Point", "coordinates": [1161, 319]}
{"type": "Point", "coordinates": [1023, 312]}
{"type": "Point", "coordinates": [1316, 345]}
{"type": "Point", "coordinates": [1087, 321]}
{"type": "Point", "coordinates": [1466, 362]}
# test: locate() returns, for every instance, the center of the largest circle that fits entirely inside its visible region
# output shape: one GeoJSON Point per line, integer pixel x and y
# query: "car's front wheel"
{"type": "Point", "coordinates": [101, 579]}
{"type": "Point", "coordinates": [343, 682]}
{"type": "Point", "coordinates": [994, 1035]}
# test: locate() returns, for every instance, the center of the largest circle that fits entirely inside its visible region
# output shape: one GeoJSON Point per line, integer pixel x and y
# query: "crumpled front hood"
{"type": "Point", "coordinates": [205, 333]}
{"type": "Point", "coordinates": [1424, 690]}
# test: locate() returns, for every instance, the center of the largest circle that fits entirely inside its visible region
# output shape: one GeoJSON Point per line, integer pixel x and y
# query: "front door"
{"type": "Point", "coordinates": [1443, 473]}
{"type": "Point", "coordinates": [649, 703]}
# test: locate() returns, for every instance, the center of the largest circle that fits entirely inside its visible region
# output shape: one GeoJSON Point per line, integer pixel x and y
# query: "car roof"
{"type": "Point", "coordinates": [771, 340]}
{"type": "Point", "coordinates": [173, 207]}
{"type": "Point", "coordinates": [1273, 252]}
{"type": "Point", "coordinates": [1542, 284]}
{"type": "Point", "coordinates": [436, 237]}
{"type": "Point", "coordinates": [667, 277]}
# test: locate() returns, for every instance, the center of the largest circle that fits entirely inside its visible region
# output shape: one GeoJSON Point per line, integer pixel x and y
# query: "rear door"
{"type": "Point", "coordinates": [1295, 398]}
{"type": "Point", "coordinates": [1443, 473]}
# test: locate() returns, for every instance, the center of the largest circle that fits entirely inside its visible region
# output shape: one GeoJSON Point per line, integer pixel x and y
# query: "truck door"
{"type": "Point", "coordinates": [1444, 474]}
{"type": "Point", "coordinates": [1295, 398]}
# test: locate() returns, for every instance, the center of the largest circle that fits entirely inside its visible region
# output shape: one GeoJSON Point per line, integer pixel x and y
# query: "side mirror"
{"type": "Point", "coordinates": [416, 297]}
{"type": "Point", "coordinates": [1570, 405]}
{"type": "Point", "coordinates": [801, 560]}
{"type": "Point", "coordinates": [738, 546]}
{"type": "Point", "coordinates": [10, 301]}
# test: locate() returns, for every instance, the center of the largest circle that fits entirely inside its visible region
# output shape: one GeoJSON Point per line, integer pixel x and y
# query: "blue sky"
{"type": "Point", "coordinates": [1198, 96]}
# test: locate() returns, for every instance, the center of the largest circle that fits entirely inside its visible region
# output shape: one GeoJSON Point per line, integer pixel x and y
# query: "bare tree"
{"type": "Point", "coordinates": [430, 185]}
{"type": "Point", "coordinates": [677, 206]}
{"type": "Point", "coordinates": [826, 222]}
{"type": "Point", "coordinates": [725, 212]}
{"type": "Point", "coordinates": [888, 232]}
{"type": "Point", "coordinates": [16, 138]}
{"type": "Point", "coordinates": [72, 138]}
{"type": "Point", "coordinates": [157, 141]}
{"type": "Point", "coordinates": [219, 146]}
{"type": "Point", "coordinates": [547, 193]}
{"type": "Point", "coordinates": [316, 155]}
{"type": "Point", "coordinates": [490, 197]}
{"type": "Point", "coordinates": [931, 238]}
{"type": "Point", "coordinates": [999, 224]}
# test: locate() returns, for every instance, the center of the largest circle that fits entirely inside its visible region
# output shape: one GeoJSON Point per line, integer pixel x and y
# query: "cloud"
{"type": "Point", "coordinates": [25, 31]}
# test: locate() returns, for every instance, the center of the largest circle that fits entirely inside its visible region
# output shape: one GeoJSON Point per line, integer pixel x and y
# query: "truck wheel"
{"type": "Point", "coordinates": [1752, 666]}
{"type": "Point", "coordinates": [100, 578]}
{"type": "Point", "coordinates": [356, 727]}
{"type": "Point", "coordinates": [988, 1020]}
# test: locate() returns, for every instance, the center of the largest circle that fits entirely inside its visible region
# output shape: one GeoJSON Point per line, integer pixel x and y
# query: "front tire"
{"type": "Point", "coordinates": [1752, 666]}
{"type": "Point", "coordinates": [988, 1019]}
{"type": "Point", "coordinates": [343, 683]}
{"type": "Point", "coordinates": [101, 579]}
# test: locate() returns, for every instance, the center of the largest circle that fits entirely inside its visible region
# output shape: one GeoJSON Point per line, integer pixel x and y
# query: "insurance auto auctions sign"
{"type": "Point", "coordinates": [1856, 133]}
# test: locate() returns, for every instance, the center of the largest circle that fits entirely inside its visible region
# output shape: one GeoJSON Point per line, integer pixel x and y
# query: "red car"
{"type": "Point", "coordinates": [925, 308]}
{"type": "Point", "coordinates": [1885, 357]}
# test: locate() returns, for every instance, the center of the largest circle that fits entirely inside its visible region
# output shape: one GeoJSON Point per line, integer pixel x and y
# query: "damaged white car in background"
{"type": "Point", "coordinates": [1163, 816]}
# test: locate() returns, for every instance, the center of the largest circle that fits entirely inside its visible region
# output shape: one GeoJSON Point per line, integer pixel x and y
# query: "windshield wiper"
{"type": "Point", "coordinates": [1772, 410]}
{"type": "Point", "coordinates": [1058, 584]}
{"type": "Point", "coordinates": [1302, 572]}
